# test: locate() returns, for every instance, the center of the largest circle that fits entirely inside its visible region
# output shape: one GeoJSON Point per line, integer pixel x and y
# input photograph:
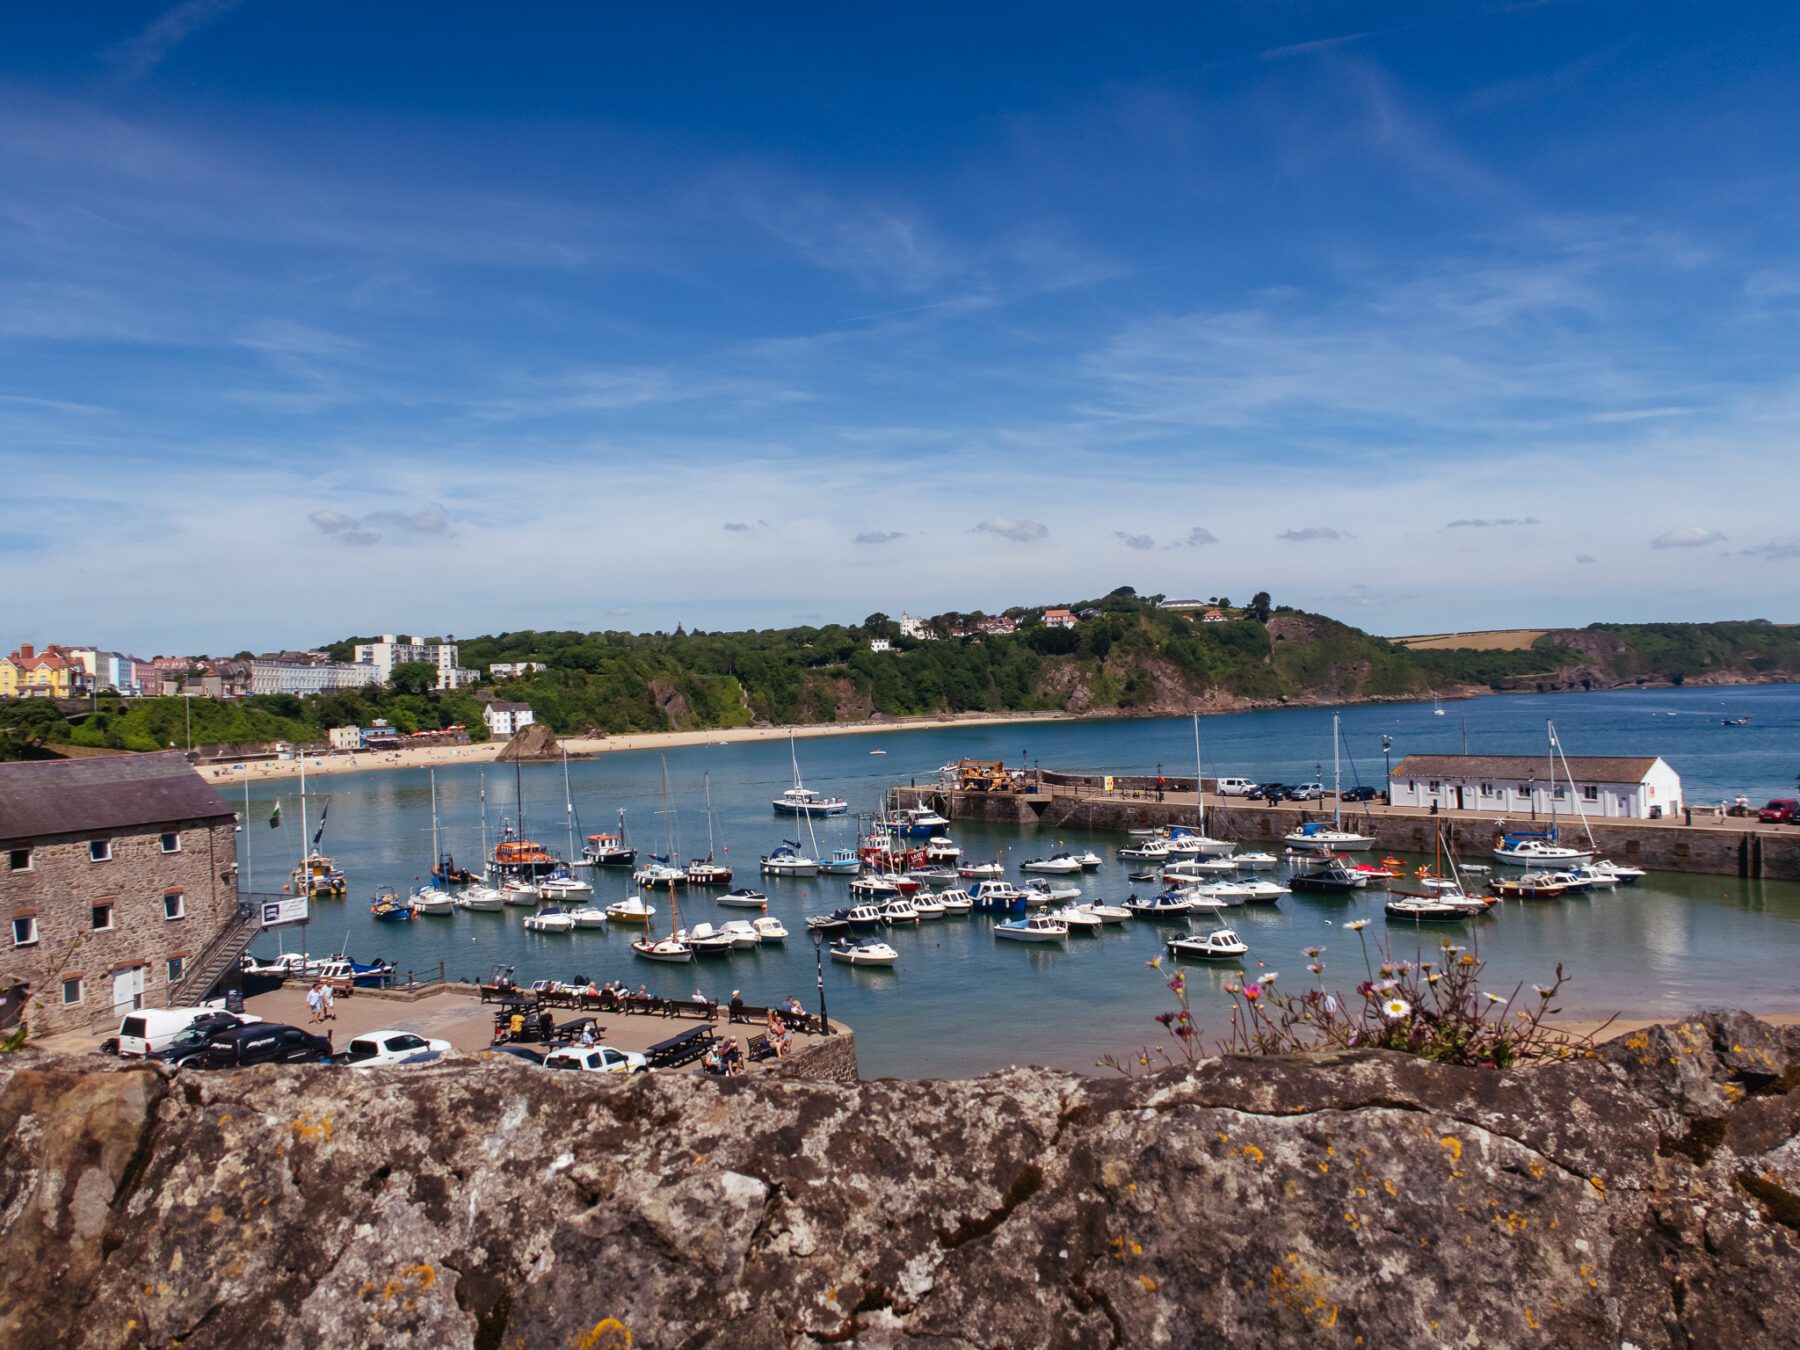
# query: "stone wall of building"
{"type": "Point", "coordinates": [63, 886]}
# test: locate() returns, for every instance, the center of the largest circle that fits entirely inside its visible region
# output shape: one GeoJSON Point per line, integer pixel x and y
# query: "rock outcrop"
{"type": "Point", "coordinates": [1648, 1195]}
{"type": "Point", "coordinates": [535, 742]}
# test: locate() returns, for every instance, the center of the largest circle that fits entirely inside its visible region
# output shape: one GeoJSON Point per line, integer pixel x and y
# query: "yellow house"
{"type": "Point", "coordinates": [9, 678]}
{"type": "Point", "coordinates": [48, 674]}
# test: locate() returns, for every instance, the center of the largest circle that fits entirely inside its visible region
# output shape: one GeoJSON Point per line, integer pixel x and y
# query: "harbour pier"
{"type": "Point", "coordinates": [1699, 842]}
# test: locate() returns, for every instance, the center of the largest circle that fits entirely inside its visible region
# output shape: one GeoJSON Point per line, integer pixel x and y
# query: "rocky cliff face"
{"type": "Point", "coordinates": [1647, 1196]}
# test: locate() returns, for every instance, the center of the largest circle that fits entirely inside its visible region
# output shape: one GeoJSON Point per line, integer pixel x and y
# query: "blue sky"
{"type": "Point", "coordinates": [318, 319]}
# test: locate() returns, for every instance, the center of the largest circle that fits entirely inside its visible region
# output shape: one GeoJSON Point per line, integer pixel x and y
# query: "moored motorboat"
{"type": "Point", "coordinates": [1038, 927]}
{"type": "Point", "coordinates": [952, 902]}
{"type": "Point", "coordinates": [1221, 944]}
{"type": "Point", "coordinates": [1077, 920]}
{"type": "Point", "coordinates": [388, 907]}
{"type": "Point", "coordinates": [432, 900]}
{"type": "Point", "coordinates": [705, 940]}
{"type": "Point", "coordinates": [480, 897]}
{"type": "Point", "coordinates": [663, 949]}
{"type": "Point", "coordinates": [1162, 905]}
{"type": "Point", "coordinates": [841, 862]}
{"type": "Point", "coordinates": [519, 891]}
{"type": "Point", "coordinates": [741, 933]}
{"type": "Point", "coordinates": [1060, 864]}
{"type": "Point", "coordinates": [1326, 876]}
{"type": "Point", "coordinates": [1531, 886]}
{"type": "Point", "coordinates": [998, 897]}
{"type": "Point", "coordinates": [1050, 892]}
{"type": "Point", "coordinates": [744, 898]}
{"type": "Point", "coordinates": [939, 849]}
{"type": "Point", "coordinates": [632, 909]}
{"type": "Point", "coordinates": [1104, 912]}
{"type": "Point", "coordinates": [550, 919]}
{"type": "Point", "coordinates": [1318, 837]}
{"type": "Point", "coordinates": [588, 916]}
{"type": "Point", "coordinates": [899, 909]}
{"type": "Point", "coordinates": [769, 929]}
{"type": "Point", "coordinates": [862, 918]}
{"type": "Point", "coordinates": [873, 888]}
{"type": "Point", "coordinates": [987, 871]}
{"type": "Point", "coordinates": [706, 872]}
{"type": "Point", "coordinates": [863, 952]}
{"type": "Point", "coordinates": [1540, 849]}
{"type": "Point", "coordinates": [927, 905]}
{"type": "Point", "coordinates": [1254, 861]}
{"type": "Point", "coordinates": [659, 874]}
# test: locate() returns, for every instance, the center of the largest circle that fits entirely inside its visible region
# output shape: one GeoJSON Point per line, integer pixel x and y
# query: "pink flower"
{"type": "Point", "coordinates": [1252, 992]}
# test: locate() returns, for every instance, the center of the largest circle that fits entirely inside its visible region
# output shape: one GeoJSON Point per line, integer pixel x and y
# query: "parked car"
{"type": "Point", "coordinates": [188, 1049]}
{"type": "Point", "coordinates": [596, 1059]}
{"type": "Point", "coordinates": [1236, 787]}
{"type": "Point", "coordinates": [1359, 794]}
{"type": "Point", "coordinates": [1307, 792]}
{"type": "Point", "coordinates": [149, 1030]}
{"type": "Point", "coordinates": [378, 1049]}
{"type": "Point", "coordinates": [1783, 811]}
{"type": "Point", "coordinates": [265, 1043]}
{"type": "Point", "coordinates": [1268, 792]}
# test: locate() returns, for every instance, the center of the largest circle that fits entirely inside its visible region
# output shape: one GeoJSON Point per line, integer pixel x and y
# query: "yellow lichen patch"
{"type": "Point", "coordinates": [305, 1127]}
{"type": "Point", "coordinates": [1516, 1222]}
{"type": "Point", "coordinates": [1148, 1283]}
{"type": "Point", "coordinates": [1137, 1249]}
{"type": "Point", "coordinates": [1324, 1167]}
{"type": "Point", "coordinates": [1300, 1291]}
{"type": "Point", "coordinates": [1537, 1170]}
{"type": "Point", "coordinates": [215, 1215]}
{"type": "Point", "coordinates": [1454, 1144]}
{"type": "Point", "coordinates": [1531, 1319]}
{"type": "Point", "coordinates": [1587, 1274]}
{"type": "Point", "coordinates": [1253, 1153]}
{"type": "Point", "coordinates": [1597, 1184]}
{"type": "Point", "coordinates": [699, 1159]}
{"type": "Point", "coordinates": [1390, 1188]}
{"type": "Point", "coordinates": [609, 1333]}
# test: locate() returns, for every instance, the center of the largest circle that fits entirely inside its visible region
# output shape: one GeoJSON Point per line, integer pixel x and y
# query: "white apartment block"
{"type": "Point", "coordinates": [309, 677]}
{"type": "Point", "coordinates": [391, 652]}
{"type": "Point", "coordinates": [507, 719]}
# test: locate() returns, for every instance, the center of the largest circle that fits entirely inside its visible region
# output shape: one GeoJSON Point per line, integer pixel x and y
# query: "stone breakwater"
{"type": "Point", "coordinates": [1647, 1195]}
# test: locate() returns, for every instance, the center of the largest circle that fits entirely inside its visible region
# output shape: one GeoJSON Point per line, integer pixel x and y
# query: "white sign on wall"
{"type": "Point", "coordinates": [288, 909]}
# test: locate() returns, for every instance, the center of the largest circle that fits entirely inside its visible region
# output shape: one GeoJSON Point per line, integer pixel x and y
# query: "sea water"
{"type": "Point", "coordinates": [961, 1002]}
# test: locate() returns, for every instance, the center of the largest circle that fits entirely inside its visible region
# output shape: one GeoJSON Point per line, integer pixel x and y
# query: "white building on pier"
{"type": "Point", "coordinates": [1641, 787]}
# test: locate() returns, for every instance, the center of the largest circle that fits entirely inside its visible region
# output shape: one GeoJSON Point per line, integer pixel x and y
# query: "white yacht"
{"type": "Point", "coordinates": [1036, 928]}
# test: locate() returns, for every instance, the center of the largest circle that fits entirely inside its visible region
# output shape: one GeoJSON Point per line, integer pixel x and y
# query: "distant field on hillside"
{"type": "Point", "coordinates": [1489, 640]}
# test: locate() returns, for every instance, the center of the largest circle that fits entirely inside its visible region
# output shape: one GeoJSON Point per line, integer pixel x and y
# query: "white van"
{"type": "Point", "coordinates": [149, 1030]}
{"type": "Point", "coordinates": [1235, 787]}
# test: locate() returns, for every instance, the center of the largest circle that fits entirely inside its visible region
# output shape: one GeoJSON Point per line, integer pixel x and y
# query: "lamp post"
{"type": "Point", "coordinates": [1387, 768]}
{"type": "Point", "coordinates": [1531, 791]}
{"type": "Point", "coordinates": [819, 960]}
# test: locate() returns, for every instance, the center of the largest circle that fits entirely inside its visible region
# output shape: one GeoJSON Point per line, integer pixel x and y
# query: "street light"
{"type": "Point", "coordinates": [1531, 791]}
{"type": "Point", "coordinates": [818, 938]}
{"type": "Point", "coordinates": [1387, 765]}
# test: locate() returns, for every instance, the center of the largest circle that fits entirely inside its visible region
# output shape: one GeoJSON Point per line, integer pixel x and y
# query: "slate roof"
{"type": "Point", "coordinates": [1586, 768]}
{"type": "Point", "coordinates": [111, 792]}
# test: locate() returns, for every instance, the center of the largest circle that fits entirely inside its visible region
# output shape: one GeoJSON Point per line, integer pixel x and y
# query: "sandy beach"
{"type": "Point", "coordinates": [582, 746]}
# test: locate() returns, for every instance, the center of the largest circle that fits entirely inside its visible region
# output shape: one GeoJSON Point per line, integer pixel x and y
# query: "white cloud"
{"type": "Point", "coordinates": [1137, 541]}
{"type": "Point", "coordinates": [1688, 536]}
{"type": "Point", "coordinates": [1497, 522]}
{"type": "Point", "coordinates": [1311, 532]}
{"type": "Point", "coordinates": [1586, 559]}
{"type": "Point", "coordinates": [138, 56]}
{"type": "Point", "coordinates": [370, 529]}
{"type": "Point", "coordinates": [1019, 531]}
{"type": "Point", "coordinates": [1199, 537]}
{"type": "Point", "coordinates": [879, 536]}
{"type": "Point", "coordinates": [737, 527]}
{"type": "Point", "coordinates": [1787, 546]}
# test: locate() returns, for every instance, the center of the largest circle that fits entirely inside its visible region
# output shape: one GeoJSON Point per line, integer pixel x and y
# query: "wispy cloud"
{"type": "Point", "coordinates": [1787, 546]}
{"type": "Point", "coordinates": [430, 522]}
{"type": "Point", "coordinates": [1311, 532]}
{"type": "Point", "coordinates": [137, 56]}
{"type": "Point", "coordinates": [1309, 48]}
{"type": "Point", "coordinates": [879, 536]}
{"type": "Point", "coordinates": [738, 527]}
{"type": "Point", "coordinates": [344, 529]}
{"type": "Point", "coordinates": [1138, 541]}
{"type": "Point", "coordinates": [1688, 536]}
{"type": "Point", "coordinates": [1586, 559]}
{"type": "Point", "coordinates": [1019, 531]}
{"type": "Point", "coordinates": [1199, 537]}
{"type": "Point", "coordinates": [1498, 522]}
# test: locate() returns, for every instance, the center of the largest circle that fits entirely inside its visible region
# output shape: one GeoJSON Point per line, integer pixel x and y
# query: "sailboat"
{"type": "Point", "coordinates": [432, 899]}
{"type": "Point", "coordinates": [671, 948]}
{"type": "Point", "coordinates": [706, 872]}
{"type": "Point", "coordinates": [480, 895]}
{"type": "Point", "coordinates": [800, 800]}
{"type": "Point", "coordinates": [1540, 848]}
{"type": "Point", "coordinates": [786, 859]}
{"type": "Point", "coordinates": [563, 883]}
{"type": "Point", "coordinates": [516, 858]}
{"type": "Point", "coordinates": [1437, 706]}
{"type": "Point", "coordinates": [317, 876]}
{"type": "Point", "coordinates": [1315, 836]}
{"type": "Point", "coordinates": [1198, 844]}
{"type": "Point", "coordinates": [1441, 897]}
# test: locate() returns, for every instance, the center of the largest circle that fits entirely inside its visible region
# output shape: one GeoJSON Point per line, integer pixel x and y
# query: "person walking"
{"type": "Point", "coordinates": [312, 1003]}
{"type": "Point", "coordinates": [327, 1003]}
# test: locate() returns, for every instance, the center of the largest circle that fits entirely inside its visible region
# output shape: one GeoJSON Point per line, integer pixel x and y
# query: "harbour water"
{"type": "Point", "coordinates": [960, 1002]}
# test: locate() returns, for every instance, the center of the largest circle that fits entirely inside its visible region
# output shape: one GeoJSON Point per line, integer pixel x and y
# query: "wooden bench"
{"type": "Point", "coordinates": [680, 1049]}
{"type": "Point", "coordinates": [759, 1048]}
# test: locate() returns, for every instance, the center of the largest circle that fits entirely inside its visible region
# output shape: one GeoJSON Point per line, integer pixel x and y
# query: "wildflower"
{"type": "Point", "coordinates": [1232, 988]}
{"type": "Point", "coordinates": [1385, 985]}
{"type": "Point", "coordinates": [1433, 978]}
{"type": "Point", "coordinates": [1358, 925]}
{"type": "Point", "coordinates": [1315, 951]}
{"type": "Point", "coordinates": [1386, 969]}
{"type": "Point", "coordinates": [1155, 963]}
{"type": "Point", "coordinates": [1165, 1018]}
{"type": "Point", "coordinates": [1184, 1032]}
{"type": "Point", "coordinates": [1465, 960]}
{"type": "Point", "coordinates": [1544, 990]}
{"type": "Point", "coordinates": [1450, 949]}
{"type": "Point", "coordinates": [1270, 977]}
{"type": "Point", "coordinates": [1492, 998]}
{"type": "Point", "coordinates": [1315, 967]}
{"type": "Point", "coordinates": [1179, 982]}
{"type": "Point", "coordinates": [1331, 1003]}
{"type": "Point", "coordinates": [1395, 1008]}
{"type": "Point", "coordinates": [1252, 992]}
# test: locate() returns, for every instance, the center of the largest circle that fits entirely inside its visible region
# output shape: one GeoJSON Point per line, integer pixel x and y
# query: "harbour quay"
{"type": "Point", "coordinates": [1696, 839]}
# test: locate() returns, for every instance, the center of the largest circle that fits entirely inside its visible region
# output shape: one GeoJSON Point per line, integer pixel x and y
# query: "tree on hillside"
{"type": "Point", "coordinates": [413, 677]}
{"type": "Point", "coordinates": [1259, 606]}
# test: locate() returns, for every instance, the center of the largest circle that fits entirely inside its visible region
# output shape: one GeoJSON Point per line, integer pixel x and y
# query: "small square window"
{"type": "Point", "coordinates": [1559, 794]}
{"type": "Point", "coordinates": [18, 859]}
{"type": "Point", "coordinates": [1591, 794]}
{"type": "Point", "coordinates": [175, 964]}
{"type": "Point", "coordinates": [171, 842]}
{"type": "Point", "coordinates": [102, 916]}
{"type": "Point", "coordinates": [71, 991]}
{"type": "Point", "coordinates": [25, 932]}
{"type": "Point", "coordinates": [174, 905]}
{"type": "Point", "coordinates": [100, 850]}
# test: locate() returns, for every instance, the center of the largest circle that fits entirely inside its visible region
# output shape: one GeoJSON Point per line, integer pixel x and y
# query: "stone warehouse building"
{"type": "Point", "coordinates": [115, 874]}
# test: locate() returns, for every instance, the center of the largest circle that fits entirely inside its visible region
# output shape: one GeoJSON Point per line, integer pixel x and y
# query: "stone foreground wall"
{"type": "Point", "coordinates": [1646, 1196]}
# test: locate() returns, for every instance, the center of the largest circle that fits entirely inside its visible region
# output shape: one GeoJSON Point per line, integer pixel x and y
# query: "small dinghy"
{"type": "Point", "coordinates": [1219, 945]}
{"type": "Point", "coordinates": [861, 952]}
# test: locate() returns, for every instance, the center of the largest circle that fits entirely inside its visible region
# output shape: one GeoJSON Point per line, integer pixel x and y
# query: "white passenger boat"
{"type": "Point", "coordinates": [1036, 928]}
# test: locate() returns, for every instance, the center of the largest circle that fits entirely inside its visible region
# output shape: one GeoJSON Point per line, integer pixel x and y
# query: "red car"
{"type": "Point", "coordinates": [1782, 811]}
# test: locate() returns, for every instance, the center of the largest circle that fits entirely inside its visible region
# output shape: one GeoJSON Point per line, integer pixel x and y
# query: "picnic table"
{"type": "Point", "coordinates": [683, 1048]}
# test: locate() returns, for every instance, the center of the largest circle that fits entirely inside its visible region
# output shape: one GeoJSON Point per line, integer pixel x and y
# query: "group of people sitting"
{"type": "Point", "coordinates": [781, 1036]}
{"type": "Point", "coordinates": [725, 1058]}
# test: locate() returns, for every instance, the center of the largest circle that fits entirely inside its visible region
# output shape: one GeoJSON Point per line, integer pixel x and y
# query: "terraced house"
{"type": "Point", "coordinates": [118, 877]}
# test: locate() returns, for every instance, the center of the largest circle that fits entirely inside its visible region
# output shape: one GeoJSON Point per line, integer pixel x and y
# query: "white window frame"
{"type": "Point", "coordinates": [1590, 793]}
{"type": "Point", "coordinates": [165, 839]}
{"type": "Point", "coordinates": [180, 899]}
{"type": "Point", "coordinates": [30, 859]}
{"type": "Point", "coordinates": [111, 917]}
{"type": "Point", "coordinates": [30, 941]}
{"type": "Point", "coordinates": [173, 967]}
{"type": "Point", "coordinates": [80, 988]}
{"type": "Point", "coordinates": [105, 845]}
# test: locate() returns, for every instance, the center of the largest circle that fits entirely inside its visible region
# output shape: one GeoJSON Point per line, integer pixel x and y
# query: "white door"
{"type": "Point", "coordinates": [128, 989]}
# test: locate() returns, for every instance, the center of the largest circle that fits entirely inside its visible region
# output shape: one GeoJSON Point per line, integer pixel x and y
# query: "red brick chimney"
{"type": "Point", "coordinates": [26, 651]}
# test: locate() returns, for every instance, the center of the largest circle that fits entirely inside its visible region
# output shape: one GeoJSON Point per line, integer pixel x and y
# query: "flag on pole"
{"type": "Point", "coordinates": [319, 833]}
{"type": "Point", "coordinates": [275, 817]}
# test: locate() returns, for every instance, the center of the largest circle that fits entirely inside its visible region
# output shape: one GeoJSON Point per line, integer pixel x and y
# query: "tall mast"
{"type": "Point", "coordinates": [1199, 794]}
{"type": "Point", "coordinates": [249, 868]}
{"type": "Point", "coordinates": [1551, 728]}
{"type": "Point", "coordinates": [437, 851]}
{"type": "Point", "coordinates": [1337, 779]}
{"type": "Point", "coordinates": [568, 807]}
{"type": "Point", "coordinates": [305, 838]}
{"type": "Point", "coordinates": [706, 782]}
